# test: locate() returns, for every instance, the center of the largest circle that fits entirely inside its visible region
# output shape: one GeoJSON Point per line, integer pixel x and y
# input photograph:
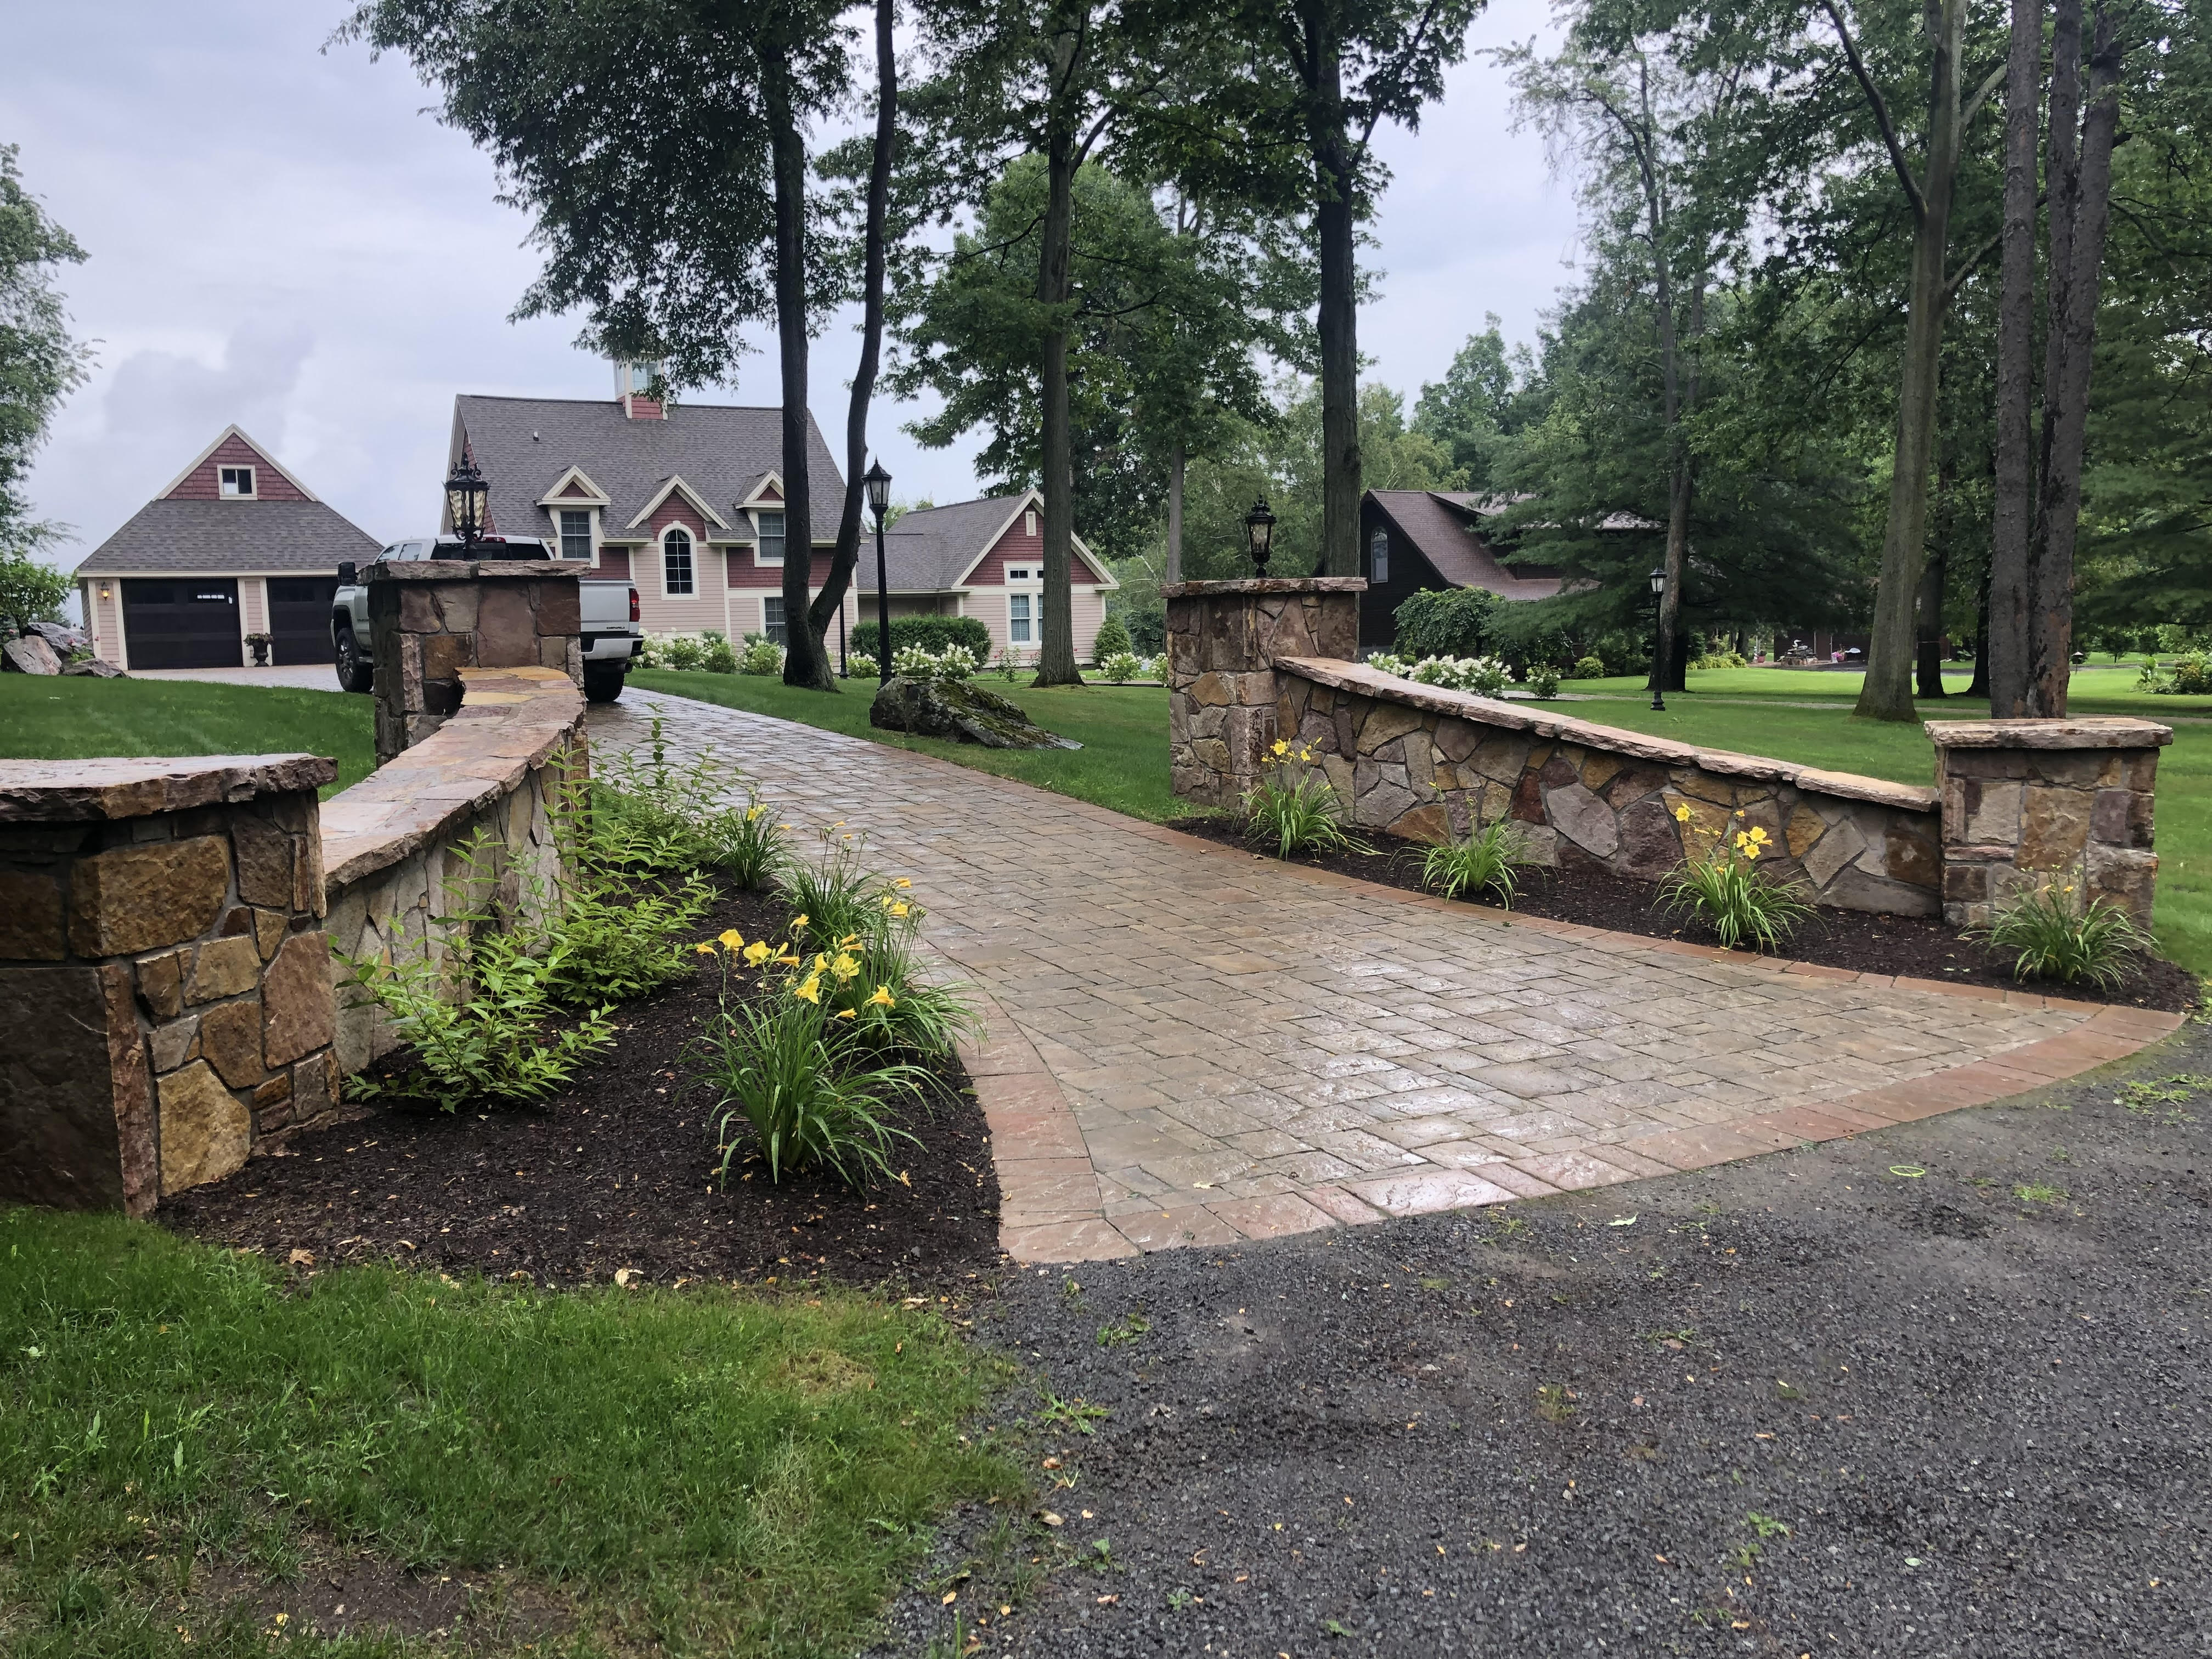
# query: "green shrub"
{"type": "Point", "coordinates": [759, 657]}
{"type": "Point", "coordinates": [1123, 667]}
{"type": "Point", "coordinates": [1450, 622]}
{"type": "Point", "coordinates": [2052, 935]}
{"type": "Point", "coordinates": [615, 927]}
{"type": "Point", "coordinates": [2188, 677]}
{"type": "Point", "coordinates": [1487, 864]}
{"type": "Point", "coordinates": [1543, 681]}
{"type": "Point", "coordinates": [1589, 668]}
{"type": "Point", "coordinates": [1113, 640]}
{"type": "Point", "coordinates": [1721, 889]}
{"type": "Point", "coordinates": [716, 654]}
{"type": "Point", "coordinates": [1148, 630]}
{"type": "Point", "coordinates": [1298, 814]}
{"type": "Point", "coordinates": [859, 665]}
{"type": "Point", "coordinates": [675, 820]}
{"type": "Point", "coordinates": [684, 651]}
{"type": "Point", "coordinates": [932, 634]}
{"type": "Point", "coordinates": [833, 899]}
{"type": "Point", "coordinates": [921, 1015]}
{"type": "Point", "coordinates": [1010, 663]}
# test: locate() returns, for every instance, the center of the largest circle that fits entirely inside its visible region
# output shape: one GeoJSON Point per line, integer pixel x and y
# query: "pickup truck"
{"type": "Point", "coordinates": [610, 632]}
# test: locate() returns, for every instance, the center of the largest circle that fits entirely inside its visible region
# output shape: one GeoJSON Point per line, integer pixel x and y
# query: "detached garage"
{"type": "Point", "coordinates": [235, 546]}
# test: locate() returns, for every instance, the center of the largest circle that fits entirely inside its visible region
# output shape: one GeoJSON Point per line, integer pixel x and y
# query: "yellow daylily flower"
{"type": "Point", "coordinates": [1282, 746]}
{"type": "Point", "coordinates": [902, 882]}
{"type": "Point", "coordinates": [846, 1013]}
{"type": "Point", "coordinates": [1682, 814]}
{"type": "Point", "coordinates": [810, 991]}
{"type": "Point", "coordinates": [900, 909]}
{"type": "Point", "coordinates": [820, 961]}
{"type": "Point", "coordinates": [787, 960]}
{"type": "Point", "coordinates": [752, 812]}
{"type": "Point", "coordinates": [849, 941]}
{"type": "Point", "coordinates": [883, 998]}
{"type": "Point", "coordinates": [798, 922]}
{"type": "Point", "coordinates": [731, 940]}
{"type": "Point", "coordinates": [705, 947]}
{"type": "Point", "coordinates": [757, 951]}
{"type": "Point", "coordinates": [843, 968]}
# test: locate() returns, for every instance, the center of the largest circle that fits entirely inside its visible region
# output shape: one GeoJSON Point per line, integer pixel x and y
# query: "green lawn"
{"type": "Point", "coordinates": [67, 719]}
{"type": "Point", "coordinates": [707, 1472]}
{"type": "Point", "coordinates": [1123, 729]}
{"type": "Point", "coordinates": [1728, 709]}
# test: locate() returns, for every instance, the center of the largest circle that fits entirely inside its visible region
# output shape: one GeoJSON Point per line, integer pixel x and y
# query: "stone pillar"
{"type": "Point", "coordinates": [430, 619]}
{"type": "Point", "coordinates": [1223, 640]}
{"type": "Point", "coordinates": [2029, 802]}
{"type": "Point", "coordinates": [165, 982]}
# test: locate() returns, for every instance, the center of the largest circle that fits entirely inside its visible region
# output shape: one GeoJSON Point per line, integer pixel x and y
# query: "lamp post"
{"type": "Point", "coordinates": [1658, 641]}
{"type": "Point", "coordinates": [879, 483]}
{"type": "Point", "coordinates": [1258, 535]}
{"type": "Point", "coordinates": [467, 496]}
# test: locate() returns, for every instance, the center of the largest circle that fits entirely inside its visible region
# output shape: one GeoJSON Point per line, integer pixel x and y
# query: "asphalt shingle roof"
{"type": "Point", "coordinates": [524, 445]}
{"type": "Point", "coordinates": [1442, 526]}
{"type": "Point", "coordinates": [929, 547]}
{"type": "Point", "coordinates": [209, 536]}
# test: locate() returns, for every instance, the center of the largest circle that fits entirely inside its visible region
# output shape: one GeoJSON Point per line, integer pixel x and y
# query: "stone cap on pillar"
{"type": "Point", "coordinates": [461, 570]}
{"type": "Point", "coordinates": [85, 791]}
{"type": "Point", "coordinates": [2084, 732]}
{"type": "Point", "coordinates": [1265, 584]}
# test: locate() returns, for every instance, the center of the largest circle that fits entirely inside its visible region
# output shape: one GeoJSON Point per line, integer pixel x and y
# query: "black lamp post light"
{"type": "Point", "coordinates": [879, 483]}
{"type": "Point", "coordinates": [467, 499]}
{"type": "Point", "coordinates": [1658, 640]}
{"type": "Point", "coordinates": [1258, 535]}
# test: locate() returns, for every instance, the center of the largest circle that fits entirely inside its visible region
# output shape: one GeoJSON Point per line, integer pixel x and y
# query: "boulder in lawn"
{"type": "Point", "coordinates": [961, 713]}
{"type": "Point", "coordinates": [98, 668]}
{"type": "Point", "coordinates": [29, 655]}
{"type": "Point", "coordinates": [60, 635]}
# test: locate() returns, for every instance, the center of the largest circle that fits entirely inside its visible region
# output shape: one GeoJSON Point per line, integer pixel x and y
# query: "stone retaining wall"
{"type": "Point", "coordinates": [1429, 764]}
{"type": "Point", "coordinates": [165, 983]}
{"type": "Point", "coordinates": [488, 776]}
{"type": "Point", "coordinates": [433, 619]}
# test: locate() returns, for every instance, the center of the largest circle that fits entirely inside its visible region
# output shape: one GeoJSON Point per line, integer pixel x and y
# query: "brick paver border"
{"type": "Point", "coordinates": [1049, 1206]}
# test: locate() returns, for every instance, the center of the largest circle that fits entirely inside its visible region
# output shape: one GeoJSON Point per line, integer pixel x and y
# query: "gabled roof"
{"type": "Point", "coordinates": [220, 537]}
{"type": "Point", "coordinates": [1442, 527]}
{"type": "Point", "coordinates": [525, 446]}
{"type": "Point", "coordinates": [261, 457]}
{"type": "Point", "coordinates": [934, 549]}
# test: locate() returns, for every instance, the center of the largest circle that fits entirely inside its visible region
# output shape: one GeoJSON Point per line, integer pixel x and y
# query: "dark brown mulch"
{"type": "Point", "coordinates": [615, 1172]}
{"type": "Point", "coordinates": [1922, 947]}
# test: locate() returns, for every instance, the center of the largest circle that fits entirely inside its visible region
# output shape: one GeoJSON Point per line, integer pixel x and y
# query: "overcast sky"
{"type": "Point", "coordinates": [281, 237]}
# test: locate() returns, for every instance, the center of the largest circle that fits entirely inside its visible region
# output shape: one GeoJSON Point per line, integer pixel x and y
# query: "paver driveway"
{"type": "Point", "coordinates": [1192, 1046]}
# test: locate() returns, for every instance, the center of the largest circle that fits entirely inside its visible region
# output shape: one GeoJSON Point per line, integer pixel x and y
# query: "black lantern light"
{"type": "Point", "coordinates": [878, 485]}
{"type": "Point", "coordinates": [1658, 638]}
{"type": "Point", "coordinates": [467, 502]}
{"type": "Point", "coordinates": [1658, 581]}
{"type": "Point", "coordinates": [1260, 535]}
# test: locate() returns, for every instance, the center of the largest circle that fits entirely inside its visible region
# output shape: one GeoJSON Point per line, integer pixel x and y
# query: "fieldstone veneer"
{"type": "Point", "coordinates": [485, 783]}
{"type": "Point", "coordinates": [165, 983]}
{"type": "Point", "coordinates": [429, 620]}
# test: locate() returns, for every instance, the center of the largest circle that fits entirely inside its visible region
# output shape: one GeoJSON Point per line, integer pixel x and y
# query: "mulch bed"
{"type": "Point", "coordinates": [1924, 948]}
{"type": "Point", "coordinates": [615, 1172]}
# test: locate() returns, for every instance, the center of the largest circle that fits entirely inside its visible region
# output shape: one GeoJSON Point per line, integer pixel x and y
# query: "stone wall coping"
{"type": "Point", "coordinates": [2083, 732]}
{"type": "Point", "coordinates": [1265, 584]}
{"type": "Point", "coordinates": [1512, 717]}
{"type": "Point", "coordinates": [463, 570]}
{"type": "Point", "coordinates": [76, 791]}
{"type": "Point", "coordinates": [511, 719]}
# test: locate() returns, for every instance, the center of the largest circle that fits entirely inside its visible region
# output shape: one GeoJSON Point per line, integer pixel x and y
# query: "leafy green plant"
{"type": "Point", "coordinates": [1121, 667]}
{"type": "Point", "coordinates": [1543, 681]}
{"type": "Point", "coordinates": [913, 1012]}
{"type": "Point", "coordinates": [684, 651]}
{"type": "Point", "coordinates": [859, 665]}
{"type": "Point", "coordinates": [1723, 889]}
{"type": "Point", "coordinates": [1487, 864]}
{"type": "Point", "coordinates": [1010, 663]}
{"type": "Point", "coordinates": [1078, 1413]}
{"type": "Point", "coordinates": [1298, 815]}
{"type": "Point", "coordinates": [1113, 640]}
{"type": "Point", "coordinates": [1446, 622]}
{"type": "Point", "coordinates": [1121, 1332]}
{"type": "Point", "coordinates": [676, 818]}
{"type": "Point", "coordinates": [833, 897]}
{"type": "Point", "coordinates": [717, 654]}
{"type": "Point", "coordinates": [759, 657]}
{"type": "Point", "coordinates": [931, 633]}
{"type": "Point", "coordinates": [1589, 668]}
{"type": "Point", "coordinates": [2052, 935]}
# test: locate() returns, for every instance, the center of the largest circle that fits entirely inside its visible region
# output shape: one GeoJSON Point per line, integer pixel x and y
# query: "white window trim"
{"type": "Point", "coordinates": [592, 563]}
{"type": "Point", "coordinates": [1380, 535]}
{"type": "Point", "coordinates": [660, 547]}
{"type": "Point", "coordinates": [764, 599]}
{"type": "Point", "coordinates": [753, 514]}
{"type": "Point", "coordinates": [252, 490]}
{"type": "Point", "coordinates": [1035, 596]}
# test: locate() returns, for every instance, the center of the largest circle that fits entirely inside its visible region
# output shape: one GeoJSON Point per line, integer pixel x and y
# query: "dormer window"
{"type": "Point", "coordinates": [234, 483]}
{"type": "Point", "coordinates": [576, 534]}
{"type": "Point", "coordinates": [770, 548]}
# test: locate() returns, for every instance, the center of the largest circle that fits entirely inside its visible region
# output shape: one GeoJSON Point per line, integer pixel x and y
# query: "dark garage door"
{"type": "Point", "coordinates": [182, 624]}
{"type": "Point", "coordinates": [300, 618]}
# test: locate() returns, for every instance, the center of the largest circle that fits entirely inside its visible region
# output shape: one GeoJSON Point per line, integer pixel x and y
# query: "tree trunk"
{"type": "Point", "coordinates": [831, 599]}
{"type": "Point", "coordinates": [2000, 657]}
{"type": "Point", "coordinates": [1056, 657]}
{"type": "Point", "coordinates": [1174, 513]}
{"type": "Point", "coordinates": [805, 662]}
{"type": "Point", "coordinates": [2081, 194]}
{"type": "Point", "coordinates": [1979, 685]}
{"type": "Point", "coordinates": [1930, 670]}
{"type": "Point", "coordinates": [1887, 693]}
{"type": "Point", "coordinates": [1337, 317]}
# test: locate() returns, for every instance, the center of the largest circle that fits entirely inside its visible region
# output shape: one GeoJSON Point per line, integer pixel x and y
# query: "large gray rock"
{"type": "Point", "coordinates": [29, 655]}
{"type": "Point", "coordinates": [60, 635]}
{"type": "Point", "coordinates": [962, 712]}
{"type": "Point", "coordinates": [96, 668]}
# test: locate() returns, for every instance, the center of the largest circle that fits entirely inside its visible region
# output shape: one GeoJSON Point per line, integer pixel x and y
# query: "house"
{"type": "Point", "coordinates": [234, 545]}
{"type": "Point", "coordinates": [686, 500]}
{"type": "Point", "coordinates": [1411, 539]}
{"type": "Point", "coordinates": [984, 559]}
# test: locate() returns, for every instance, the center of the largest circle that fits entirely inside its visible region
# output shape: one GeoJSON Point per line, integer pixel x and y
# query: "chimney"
{"type": "Point", "coordinates": [631, 382]}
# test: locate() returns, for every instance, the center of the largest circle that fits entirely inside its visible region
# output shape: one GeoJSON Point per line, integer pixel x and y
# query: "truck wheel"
{"type": "Point", "coordinates": [602, 684]}
{"type": "Point", "coordinates": [356, 672]}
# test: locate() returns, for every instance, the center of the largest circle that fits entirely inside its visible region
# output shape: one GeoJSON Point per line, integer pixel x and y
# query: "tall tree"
{"type": "Point", "coordinates": [672, 221]}
{"type": "Point", "coordinates": [1312, 83]}
{"type": "Point", "coordinates": [40, 364]}
{"type": "Point", "coordinates": [1470, 409]}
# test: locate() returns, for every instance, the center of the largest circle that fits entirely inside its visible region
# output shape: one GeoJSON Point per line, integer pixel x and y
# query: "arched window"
{"type": "Point", "coordinates": [1379, 556]}
{"type": "Point", "coordinates": [676, 561]}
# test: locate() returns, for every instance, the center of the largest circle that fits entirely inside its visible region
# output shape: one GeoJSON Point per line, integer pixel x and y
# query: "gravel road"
{"type": "Point", "coordinates": [1943, 1389]}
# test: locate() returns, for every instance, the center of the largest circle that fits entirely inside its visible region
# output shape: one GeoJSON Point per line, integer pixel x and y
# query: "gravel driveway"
{"type": "Point", "coordinates": [1940, 1389]}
